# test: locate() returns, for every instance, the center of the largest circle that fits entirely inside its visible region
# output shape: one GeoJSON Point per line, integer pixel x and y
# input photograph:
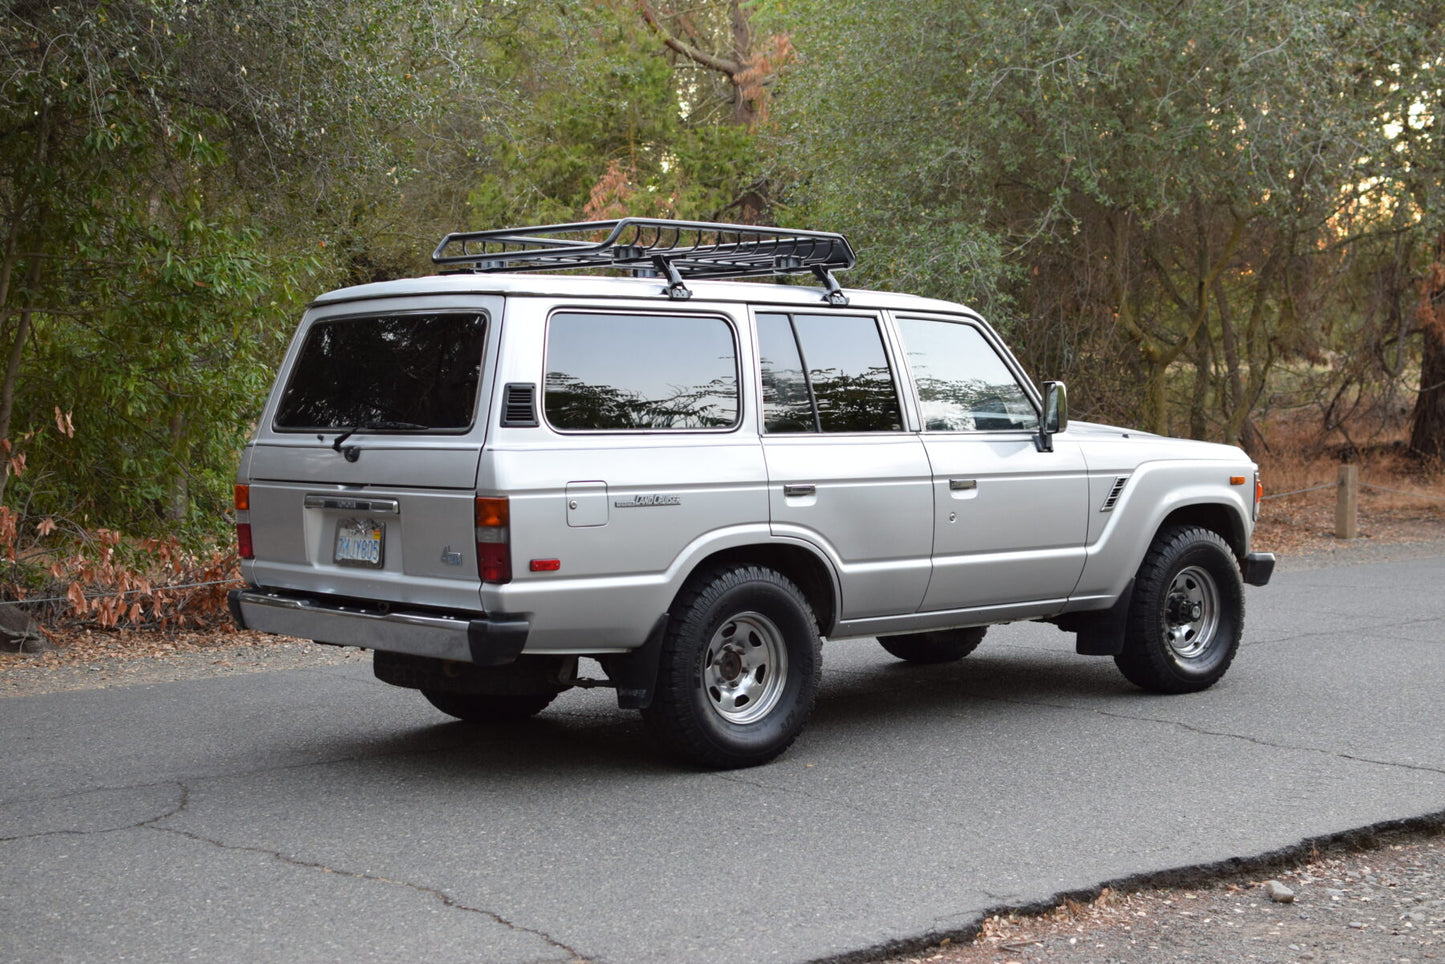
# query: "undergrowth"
{"type": "Point", "coordinates": [62, 574]}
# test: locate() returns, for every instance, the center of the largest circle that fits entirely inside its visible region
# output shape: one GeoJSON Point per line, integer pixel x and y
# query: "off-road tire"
{"type": "Point", "coordinates": [489, 707]}
{"type": "Point", "coordinates": [938, 646]}
{"type": "Point", "coordinates": [1187, 613]}
{"type": "Point", "coordinates": [740, 668]}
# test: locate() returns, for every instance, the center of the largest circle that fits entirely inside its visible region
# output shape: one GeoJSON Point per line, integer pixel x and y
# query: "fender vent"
{"type": "Point", "coordinates": [519, 405]}
{"type": "Point", "coordinates": [1113, 497]}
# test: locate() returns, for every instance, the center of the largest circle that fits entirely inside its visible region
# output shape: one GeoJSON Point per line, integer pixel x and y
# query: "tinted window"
{"type": "Point", "coordinates": [395, 372]}
{"type": "Point", "coordinates": [787, 403]}
{"type": "Point", "coordinates": [963, 384]}
{"type": "Point", "coordinates": [628, 372]}
{"type": "Point", "coordinates": [847, 385]}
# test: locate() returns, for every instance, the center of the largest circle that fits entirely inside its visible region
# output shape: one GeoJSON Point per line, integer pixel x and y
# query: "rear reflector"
{"type": "Point", "coordinates": [546, 565]}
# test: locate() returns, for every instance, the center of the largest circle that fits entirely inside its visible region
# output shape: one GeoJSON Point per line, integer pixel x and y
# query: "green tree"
{"type": "Point", "coordinates": [609, 120]}
{"type": "Point", "coordinates": [173, 176]}
{"type": "Point", "coordinates": [1131, 187]}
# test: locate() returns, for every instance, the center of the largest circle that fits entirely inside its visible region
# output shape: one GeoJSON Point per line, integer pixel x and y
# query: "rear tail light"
{"type": "Point", "coordinates": [243, 526]}
{"type": "Point", "coordinates": [494, 540]}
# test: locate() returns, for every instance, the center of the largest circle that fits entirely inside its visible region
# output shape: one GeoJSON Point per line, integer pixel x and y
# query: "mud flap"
{"type": "Point", "coordinates": [1100, 633]}
{"type": "Point", "coordinates": [635, 673]}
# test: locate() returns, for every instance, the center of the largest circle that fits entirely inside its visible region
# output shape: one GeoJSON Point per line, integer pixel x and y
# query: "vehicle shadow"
{"type": "Point", "coordinates": [585, 733]}
{"type": "Point", "coordinates": [984, 685]}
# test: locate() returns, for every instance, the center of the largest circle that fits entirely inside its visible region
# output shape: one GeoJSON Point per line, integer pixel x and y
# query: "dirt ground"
{"type": "Point", "coordinates": [1377, 898]}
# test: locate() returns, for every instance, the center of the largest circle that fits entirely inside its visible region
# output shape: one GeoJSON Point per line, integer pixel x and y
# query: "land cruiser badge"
{"type": "Point", "coordinates": [646, 501]}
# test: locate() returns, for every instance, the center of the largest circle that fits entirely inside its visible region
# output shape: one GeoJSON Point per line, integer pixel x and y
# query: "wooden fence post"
{"type": "Point", "coordinates": [1347, 503]}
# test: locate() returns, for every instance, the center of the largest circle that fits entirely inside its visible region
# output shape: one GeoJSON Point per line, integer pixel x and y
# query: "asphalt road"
{"type": "Point", "coordinates": [319, 815]}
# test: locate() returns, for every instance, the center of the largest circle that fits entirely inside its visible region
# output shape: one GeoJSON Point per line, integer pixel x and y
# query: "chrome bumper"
{"type": "Point", "coordinates": [487, 640]}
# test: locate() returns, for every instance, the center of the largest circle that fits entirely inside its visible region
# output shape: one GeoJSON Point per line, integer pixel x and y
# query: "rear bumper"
{"type": "Point", "coordinates": [1258, 567]}
{"type": "Point", "coordinates": [494, 639]}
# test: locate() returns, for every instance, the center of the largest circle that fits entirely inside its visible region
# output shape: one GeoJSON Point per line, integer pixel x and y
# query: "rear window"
{"type": "Point", "coordinates": [401, 373]}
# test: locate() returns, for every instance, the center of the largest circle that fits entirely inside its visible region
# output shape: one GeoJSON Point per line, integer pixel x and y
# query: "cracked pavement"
{"type": "Point", "coordinates": [318, 815]}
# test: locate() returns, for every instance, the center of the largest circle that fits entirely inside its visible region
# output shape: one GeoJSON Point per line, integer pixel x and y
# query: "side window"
{"type": "Point", "coordinates": [963, 384]}
{"type": "Point", "coordinates": [826, 373]}
{"type": "Point", "coordinates": [787, 401]}
{"type": "Point", "coordinates": [621, 372]}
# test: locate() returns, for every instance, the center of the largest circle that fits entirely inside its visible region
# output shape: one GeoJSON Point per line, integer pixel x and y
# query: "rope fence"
{"type": "Point", "coordinates": [1347, 503]}
{"type": "Point", "coordinates": [118, 595]}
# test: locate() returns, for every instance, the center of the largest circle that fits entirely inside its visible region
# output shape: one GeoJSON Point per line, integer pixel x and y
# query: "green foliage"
{"type": "Point", "coordinates": [175, 179]}
{"type": "Point", "coordinates": [1131, 185]}
{"type": "Point", "coordinates": [611, 127]}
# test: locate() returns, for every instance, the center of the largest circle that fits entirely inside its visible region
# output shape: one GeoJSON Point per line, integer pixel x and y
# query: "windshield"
{"type": "Point", "coordinates": [410, 372]}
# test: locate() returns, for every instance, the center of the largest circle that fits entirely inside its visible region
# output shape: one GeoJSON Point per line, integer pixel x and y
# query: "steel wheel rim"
{"type": "Point", "coordinates": [1191, 612]}
{"type": "Point", "coordinates": [745, 668]}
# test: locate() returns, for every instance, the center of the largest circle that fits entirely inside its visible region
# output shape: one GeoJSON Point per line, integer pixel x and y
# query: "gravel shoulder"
{"type": "Point", "coordinates": [1376, 897]}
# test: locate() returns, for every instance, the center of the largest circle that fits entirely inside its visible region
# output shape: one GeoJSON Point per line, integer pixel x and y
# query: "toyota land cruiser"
{"type": "Point", "coordinates": [488, 475]}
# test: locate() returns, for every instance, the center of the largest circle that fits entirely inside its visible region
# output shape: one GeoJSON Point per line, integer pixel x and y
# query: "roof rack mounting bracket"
{"type": "Point", "coordinates": [834, 293]}
{"type": "Point", "coordinates": [676, 290]}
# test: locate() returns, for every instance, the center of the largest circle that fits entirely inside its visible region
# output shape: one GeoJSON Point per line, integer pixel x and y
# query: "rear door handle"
{"type": "Point", "coordinates": [794, 491]}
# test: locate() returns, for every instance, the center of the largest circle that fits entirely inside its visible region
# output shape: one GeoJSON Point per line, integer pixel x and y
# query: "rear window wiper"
{"type": "Point", "coordinates": [372, 426]}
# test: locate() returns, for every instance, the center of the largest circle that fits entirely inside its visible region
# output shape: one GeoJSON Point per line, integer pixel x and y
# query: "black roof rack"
{"type": "Point", "coordinates": [675, 250]}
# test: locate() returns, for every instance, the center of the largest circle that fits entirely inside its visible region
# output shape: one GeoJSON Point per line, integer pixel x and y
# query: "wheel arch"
{"type": "Point", "coordinates": [804, 568]}
{"type": "Point", "coordinates": [1217, 517]}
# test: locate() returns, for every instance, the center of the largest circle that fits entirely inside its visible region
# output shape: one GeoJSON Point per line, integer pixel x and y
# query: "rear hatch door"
{"type": "Point", "coordinates": [363, 472]}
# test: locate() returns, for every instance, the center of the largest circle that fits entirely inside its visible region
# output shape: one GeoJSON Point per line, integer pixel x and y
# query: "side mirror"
{"type": "Point", "coordinates": [1056, 414]}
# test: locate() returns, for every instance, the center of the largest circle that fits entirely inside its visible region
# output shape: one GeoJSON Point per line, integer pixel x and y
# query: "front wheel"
{"type": "Point", "coordinates": [938, 646]}
{"type": "Point", "coordinates": [1187, 614]}
{"type": "Point", "coordinates": [739, 671]}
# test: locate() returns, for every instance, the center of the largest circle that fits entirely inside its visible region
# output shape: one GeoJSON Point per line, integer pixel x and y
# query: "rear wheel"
{"type": "Point", "coordinates": [739, 670]}
{"type": "Point", "coordinates": [939, 646]}
{"type": "Point", "coordinates": [488, 707]}
{"type": "Point", "coordinates": [1187, 613]}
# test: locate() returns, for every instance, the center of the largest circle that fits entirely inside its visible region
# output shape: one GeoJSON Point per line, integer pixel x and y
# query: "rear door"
{"type": "Point", "coordinates": [843, 471]}
{"type": "Point", "coordinates": [363, 473]}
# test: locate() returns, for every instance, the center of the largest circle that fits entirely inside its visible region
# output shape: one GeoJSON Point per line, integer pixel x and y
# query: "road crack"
{"type": "Point", "coordinates": [182, 798]}
{"type": "Point", "coordinates": [1257, 741]}
{"type": "Point", "coordinates": [445, 899]}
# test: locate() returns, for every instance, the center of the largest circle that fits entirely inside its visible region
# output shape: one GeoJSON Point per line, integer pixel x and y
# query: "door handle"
{"type": "Point", "coordinates": [793, 491]}
{"type": "Point", "coordinates": [962, 485]}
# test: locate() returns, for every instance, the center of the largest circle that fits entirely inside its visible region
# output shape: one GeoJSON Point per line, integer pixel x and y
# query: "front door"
{"type": "Point", "coordinates": [1009, 520]}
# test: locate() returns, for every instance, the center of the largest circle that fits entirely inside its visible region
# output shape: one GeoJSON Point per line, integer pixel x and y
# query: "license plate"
{"type": "Point", "coordinates": [359, 542]}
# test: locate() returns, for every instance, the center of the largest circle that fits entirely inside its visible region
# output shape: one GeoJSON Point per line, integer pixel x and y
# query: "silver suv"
{"type": "Point", "coordinates": [491, 474]}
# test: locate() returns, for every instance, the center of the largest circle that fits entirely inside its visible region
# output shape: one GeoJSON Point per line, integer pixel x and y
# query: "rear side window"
{"type": "Point", "coordinates": [826, 373]}
{"type": "Point", "coordinates": [411, 372]}
{"type": "Point", "coordinates": [963, 384]}
{"type": "Point", "coordinates": [624, 372]}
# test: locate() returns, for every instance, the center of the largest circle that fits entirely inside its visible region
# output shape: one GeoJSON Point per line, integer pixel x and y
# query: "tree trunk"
{"type": "Point", "coordinates": [1427, 429]}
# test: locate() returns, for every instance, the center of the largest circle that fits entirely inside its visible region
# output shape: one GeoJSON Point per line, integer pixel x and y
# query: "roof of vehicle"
{"type": "Point", "coordinates": [596, 287]}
